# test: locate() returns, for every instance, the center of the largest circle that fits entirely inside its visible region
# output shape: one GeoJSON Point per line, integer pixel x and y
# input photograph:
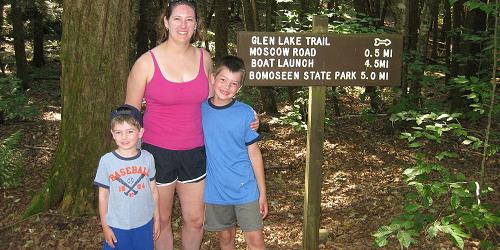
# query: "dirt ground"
{"type": "Point", "coordinates": [362, 186]}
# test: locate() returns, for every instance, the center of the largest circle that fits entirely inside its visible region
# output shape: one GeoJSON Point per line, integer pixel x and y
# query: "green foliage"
{"type": "Point", "coordinates": [295, 117]}
{"type": "Point", "coordinates": [11, 161]}
{"type": "Point", "coordinates": [439, 201]}
{"type": "Point", "coordinates": [478, 93]}
{"type": "Point", "coordinates": [14, 102]}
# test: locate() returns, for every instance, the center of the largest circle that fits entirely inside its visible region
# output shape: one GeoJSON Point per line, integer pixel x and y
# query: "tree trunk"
{"type": "Point", "coordinates": [2, 5]}
{"type": "Point", "coordinates": [434, 27]}
{"type": "Point", "coordinates": [19, 46]}
{"type": "Point", "coordinates": [401, 23]}
{"type": "Point", "coordinates": [267, 94]}
{"type": "Point", "coordinates": [475, 24]}
{"type": "Point", "coordinates": [96, 56]}
{"type": "Point", "coordinates": [143, 26]}
{"type": "Point", "coordinates": [445, 37]}
{"type": "Point", "coordinates": [221, 28]}
{"type": "Point", "coordinates": [455, 95]}
{"type": "Point", "coordinates": [38, 11]}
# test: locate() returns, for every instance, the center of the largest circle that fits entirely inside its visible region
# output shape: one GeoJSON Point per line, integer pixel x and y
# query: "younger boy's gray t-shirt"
{"type": "Point", "coordinates": [130, 202]}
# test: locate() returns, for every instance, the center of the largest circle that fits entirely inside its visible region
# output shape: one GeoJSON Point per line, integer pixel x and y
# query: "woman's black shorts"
{"type": "Point", "coordinates": [185, 166]}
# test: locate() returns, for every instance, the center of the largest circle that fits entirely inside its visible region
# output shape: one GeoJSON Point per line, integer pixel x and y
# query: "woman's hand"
{"type": "Point", "coordinates": [254, 125]}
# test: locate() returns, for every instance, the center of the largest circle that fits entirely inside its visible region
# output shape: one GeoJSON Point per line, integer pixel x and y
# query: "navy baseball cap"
{"type": "Point", "coordinates": [127, 109]}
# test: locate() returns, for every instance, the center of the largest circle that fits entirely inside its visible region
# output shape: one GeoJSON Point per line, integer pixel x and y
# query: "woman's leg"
{"type": "Point", "coordinates": [166, 202]}
{"type": "Point", "coordinates": [192, 207]}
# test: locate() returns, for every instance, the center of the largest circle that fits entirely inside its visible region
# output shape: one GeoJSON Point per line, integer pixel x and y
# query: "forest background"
{"type": "Point", "coordinates": [414, 166]}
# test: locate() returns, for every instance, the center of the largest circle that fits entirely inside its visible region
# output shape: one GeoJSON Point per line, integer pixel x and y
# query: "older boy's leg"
{"type": "Point", "coordinates": [166, 201]}
{"type": "Point", "coordinates": [226, 239]}
{"type": "Point", "coordinates": [255, 240]}
{"type": "Point", "coordinates": [192, 207]}
{"type": "Point", "coordinates": [251, 224]}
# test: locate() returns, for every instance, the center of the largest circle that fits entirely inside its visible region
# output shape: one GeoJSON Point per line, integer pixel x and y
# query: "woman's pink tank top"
{"type": "Point", "coordinates": [172, 119]}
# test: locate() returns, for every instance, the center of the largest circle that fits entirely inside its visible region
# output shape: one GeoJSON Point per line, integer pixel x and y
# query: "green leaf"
{"type": "Point", "coordinates": [405, 238]}
{"type": "Point", "coordinates": [381, 241]}
{"type": "Point", "coordinates": [415, 145]}
{"type": "Point", "coordinates": [455, 201]}
{"type": "Point", "coordinates": [444, 154]}
{"type": "Point", "coordinates": [442, 116]}
{"type": "Point", "coordinates": [433, 229]}
{"type": "Point", "coordinates": [412, 208]}
{"type": "Point", "coordinates": [467, 142]}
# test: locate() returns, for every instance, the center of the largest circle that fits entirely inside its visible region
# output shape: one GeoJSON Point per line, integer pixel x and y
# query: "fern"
{"type": "Point", "coordinates": [11, 161]}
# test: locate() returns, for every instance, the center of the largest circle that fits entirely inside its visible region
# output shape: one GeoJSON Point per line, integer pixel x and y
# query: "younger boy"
{"type": "Point", "coordinates": [128, 197]}
{"type": "Point", "coordinates": [235, 189]}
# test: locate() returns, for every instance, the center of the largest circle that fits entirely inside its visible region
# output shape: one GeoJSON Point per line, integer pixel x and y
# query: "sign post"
{"type": "Point", "coordinates": [314, 157]}
{"type": "Point", "coordinates": [319, 59]}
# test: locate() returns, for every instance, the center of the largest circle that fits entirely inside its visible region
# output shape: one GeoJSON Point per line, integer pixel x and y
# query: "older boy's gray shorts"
{"type": "Point", "coordinates": [223, 217]}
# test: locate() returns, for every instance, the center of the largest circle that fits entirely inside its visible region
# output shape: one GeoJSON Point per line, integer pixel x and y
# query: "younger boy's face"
{"type": "Point", "coordinates": [126, 136]}
{"type": "Point", "coordinates": [226, 85]}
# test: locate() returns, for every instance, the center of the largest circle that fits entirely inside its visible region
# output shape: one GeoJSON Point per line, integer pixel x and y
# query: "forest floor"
{"type": "Point", "coordinates": [362, 185]}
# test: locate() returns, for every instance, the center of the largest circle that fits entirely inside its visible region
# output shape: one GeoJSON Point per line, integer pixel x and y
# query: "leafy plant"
{"type": "Point", "coordinates": [14, 102]}
{"type": "Point", "coordinates": [440, 201]}
{"type": "Point", "coordinates": [11, 161]}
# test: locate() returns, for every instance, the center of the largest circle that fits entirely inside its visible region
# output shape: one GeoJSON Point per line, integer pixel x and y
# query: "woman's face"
{"type": "Point", "coordinates": [182, 23]}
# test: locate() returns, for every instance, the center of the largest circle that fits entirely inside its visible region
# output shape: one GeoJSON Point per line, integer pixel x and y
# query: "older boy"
{"type": "Point", "coordinates": [128, 196]}
{"type": "Point", "coordinates": [235, 189]}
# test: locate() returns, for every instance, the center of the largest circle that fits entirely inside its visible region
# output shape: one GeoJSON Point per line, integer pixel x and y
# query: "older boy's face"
{"type": "Point", "coordinates": [226, 85]}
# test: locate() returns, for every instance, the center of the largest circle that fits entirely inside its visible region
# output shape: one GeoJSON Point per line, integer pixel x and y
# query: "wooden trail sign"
{"type": "Point", "coordinates": [313, 59]}
{"type": "Point", "coordinates": [318, 60]}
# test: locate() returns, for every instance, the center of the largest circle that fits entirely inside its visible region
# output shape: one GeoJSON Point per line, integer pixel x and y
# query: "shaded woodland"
{"type": "Point", "coordinates": [414, 166]}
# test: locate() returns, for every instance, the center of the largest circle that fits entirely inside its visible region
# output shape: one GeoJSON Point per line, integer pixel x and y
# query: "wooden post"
{"type": "Point", "coordinates": [314, 160]}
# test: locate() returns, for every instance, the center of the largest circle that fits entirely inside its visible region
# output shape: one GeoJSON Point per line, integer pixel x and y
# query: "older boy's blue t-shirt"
{"type": "Point", "coordinates": [130, 201]}
{"type": "Point", "coordinates": [230, 178]}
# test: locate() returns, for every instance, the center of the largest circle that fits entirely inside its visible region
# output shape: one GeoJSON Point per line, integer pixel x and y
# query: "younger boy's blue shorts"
{"type": "Point", "coordinates": [133, 239]}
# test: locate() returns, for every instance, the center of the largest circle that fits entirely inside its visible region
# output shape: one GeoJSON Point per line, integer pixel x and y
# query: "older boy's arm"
{"type": "Point", "coordinates": [109, 236]}
{"type": "Point", "coordinates": [156, 215]}
{"type": "Point", "coordinates": [258, 170]}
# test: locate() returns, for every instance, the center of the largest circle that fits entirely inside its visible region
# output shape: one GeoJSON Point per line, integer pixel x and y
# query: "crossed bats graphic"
{"type": "Point", "coordinates": [131, 188]}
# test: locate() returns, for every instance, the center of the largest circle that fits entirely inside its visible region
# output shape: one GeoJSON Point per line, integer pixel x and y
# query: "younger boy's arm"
{"type": "Point", "coordinates": [156, 214]}
{"type": "Point", "coordinates": [258, 170]}
{"type": "Point", "coordinates": [109, 236]}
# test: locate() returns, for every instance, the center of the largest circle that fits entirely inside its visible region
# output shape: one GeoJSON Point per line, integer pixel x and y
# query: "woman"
{"type": "Point", "coordinates": [173, 78]}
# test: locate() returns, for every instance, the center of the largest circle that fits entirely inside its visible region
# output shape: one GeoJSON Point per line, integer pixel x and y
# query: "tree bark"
{"type": "Point", "coordinates": [267, 94]}
{"type": "Point", "coordinates": [19, 46]}
{"type": "Point", "coordinates": [96, 52]}
{"type": "Point", "coordinates": [221, 29]}
{"type": "Point", "coordinates": [38, 10]}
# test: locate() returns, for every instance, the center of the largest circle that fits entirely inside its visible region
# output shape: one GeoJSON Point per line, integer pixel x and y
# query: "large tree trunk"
{"type": "Point", "coordinates": [38, 10]}
{"type": "Point", "coordinates": [221, 28]}
{"type": "Point", "coordinates": [267, 94]}
{"type": "Point", "coordinates": [475, 24]}
{"type": "Point", "coordinates": [96, 56]}
{"type": "Point", "coordinates": [401, 22]}
{"type": "Point", "coordinates": [455, 95]}
{"type": "Point", "coordinates": [445, 37]}
{"type": "Point", "coordinates": [19, 46]}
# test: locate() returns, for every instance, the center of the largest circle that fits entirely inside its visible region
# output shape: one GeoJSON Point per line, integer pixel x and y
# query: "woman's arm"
{"type": "Point", "coordinates": [156, 214]}
{"type": "Point", "coordinates": [137, 80]}
{"type": "Point", "coordinates": [207, 62]}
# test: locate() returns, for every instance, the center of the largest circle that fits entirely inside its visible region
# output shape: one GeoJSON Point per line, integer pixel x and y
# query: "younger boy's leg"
{"type": "Point", "coordinates": [226, 239]}
{"type": "Point", "coordinates": [250, 221]}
